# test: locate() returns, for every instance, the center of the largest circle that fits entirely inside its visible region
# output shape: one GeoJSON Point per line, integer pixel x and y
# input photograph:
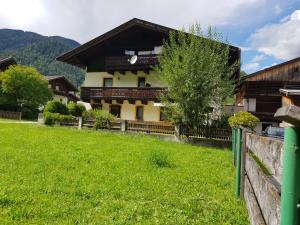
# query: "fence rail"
{"type": "Point", "coordinates": [151, 127]}
{"type": "Point", "coordinates": [10, 115]}
{"type": "Point", "coordinates": [205, 132]}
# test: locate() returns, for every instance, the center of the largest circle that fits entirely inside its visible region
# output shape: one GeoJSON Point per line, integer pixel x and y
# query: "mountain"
{"type": "Point", "coordinates": [39, 51]}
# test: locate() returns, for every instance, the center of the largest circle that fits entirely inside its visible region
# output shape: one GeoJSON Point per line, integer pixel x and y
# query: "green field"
{"type": "Point", "coordinates": [65, 176]}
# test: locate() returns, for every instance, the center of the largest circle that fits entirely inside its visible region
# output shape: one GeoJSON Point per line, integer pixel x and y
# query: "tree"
{"type": "Point", "coordinates": [24, 87]}
{"type": "Point", "coordinates": [194, 66]}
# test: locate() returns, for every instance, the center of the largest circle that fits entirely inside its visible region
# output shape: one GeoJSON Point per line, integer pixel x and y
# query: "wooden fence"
{"type": "Point", "coordinates": [261, 176]}
{"type": "Point", "coordinates": [206, 132]}
{"type": "Point", "coordinates": [10, 115]}
{"type": "Point", "coordinates": [151, 127]}
{"type": "Point", "coordinates": [167, 128]}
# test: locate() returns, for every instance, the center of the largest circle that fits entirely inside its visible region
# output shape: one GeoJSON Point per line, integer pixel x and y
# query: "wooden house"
{"type": "Point", "coordinates": [63, 89]}
{"type": "Point", "coordinates": [119, 70]}
{"type": "Point", "coordinates": [259, 92]}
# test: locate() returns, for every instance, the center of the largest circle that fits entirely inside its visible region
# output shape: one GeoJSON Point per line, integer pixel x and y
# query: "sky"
{"type": "Point", "coordinates": [267, 31]}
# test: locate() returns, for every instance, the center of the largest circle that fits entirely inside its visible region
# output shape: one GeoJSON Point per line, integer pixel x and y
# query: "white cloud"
{"type": "Point", "coordinates": [280, 40]}
{"type": "Point", "coordinates": [251, 67]}
{"type": "Point", "coordinates": [245, 49]}
{"type": "Point", "coordinates": [258, 58]}
{"type": "Point", "coordinates": [83, 20]}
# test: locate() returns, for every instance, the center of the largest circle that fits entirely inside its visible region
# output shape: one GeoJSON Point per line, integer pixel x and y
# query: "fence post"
{"type": "Point", "coordinates": [233, 144]}
{"type": "Point", "coordinates": [291, 172]}
{"type": "Point", "coordinates": [123, 125]}
{"type": "Point", "coordinates": [290, 188]}
{"type": "Point", "coordinates": [238, 162]}
{"type": "Point", "coordinates": [243, 160]}
{"type": "Point", "coordinates": [80, 122]}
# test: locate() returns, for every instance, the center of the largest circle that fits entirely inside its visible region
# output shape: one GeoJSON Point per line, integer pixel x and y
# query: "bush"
{"type": "Point", "coordinates": [160, 159]}
{"type": "Point", "coordinates": [244, 119]}
{"type": "Point", "coordinates": [76, 109]}
{"type": "Point", "coordinates": [52, 118]}
{"type": "Point", "coordinates": [29, 112]}
{"type": "Point", "coordinates": [56, 106]}
{"type": "Point", "coordinates": [102, 118]}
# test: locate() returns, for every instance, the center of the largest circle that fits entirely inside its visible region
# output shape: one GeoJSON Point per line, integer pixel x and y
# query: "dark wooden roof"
{"type": "Point", "coordinates": [134, 34]}
{"type": "Point", "coordinates": [61, 78]}
{"type": "Point", "coordinates": [6, 62]}
{"type": "Point", "coordinates": [281, 72]}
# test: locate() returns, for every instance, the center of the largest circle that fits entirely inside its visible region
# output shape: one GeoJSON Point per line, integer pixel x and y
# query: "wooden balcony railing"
{"type": "Point", "coordinates": [125, 93]}
{"type": "Point", "coordinates": [121, 63]}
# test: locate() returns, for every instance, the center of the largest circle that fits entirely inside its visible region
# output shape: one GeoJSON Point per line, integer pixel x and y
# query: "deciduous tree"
{"type": "Point", "coordinates": [194, 66]}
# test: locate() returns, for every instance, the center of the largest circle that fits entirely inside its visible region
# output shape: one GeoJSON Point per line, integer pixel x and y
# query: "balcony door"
{"type": "Point", "coordinates": [107, 82]}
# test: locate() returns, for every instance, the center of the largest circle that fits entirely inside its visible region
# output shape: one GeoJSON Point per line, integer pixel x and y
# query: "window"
{"type": "Point", "coordinates": [139, 113]}
{"type": "Point", "coordinates": [107, 82]}
{"type": "Point", "coordinates": [115, 110]}
{"type": "Point", "coordinates": [162, 115]}
{"type": "Point", "coordinates": [57, 88]}
{"type": "Point", "coordinates": [141, 82]}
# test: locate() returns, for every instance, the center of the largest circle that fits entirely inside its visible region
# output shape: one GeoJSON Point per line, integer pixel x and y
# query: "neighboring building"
{"type": "Point", "coordinates": [259, 92]}
{"type": "Point", "coordinates": [63, 89]}
{"type": "Point", "coordinates": [129, 90]}
{"type": "Point", "coordinates": [6, 62]}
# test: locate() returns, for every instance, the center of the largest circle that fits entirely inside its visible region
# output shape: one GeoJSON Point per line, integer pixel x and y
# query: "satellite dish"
{"type": "Point", "coordinates": [133, 59]}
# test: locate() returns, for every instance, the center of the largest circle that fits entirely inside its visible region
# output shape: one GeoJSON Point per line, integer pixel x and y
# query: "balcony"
{"type": "Point", "coordinates": [122, 93]}
{"type": "Point", "coordinates": [121, 63]}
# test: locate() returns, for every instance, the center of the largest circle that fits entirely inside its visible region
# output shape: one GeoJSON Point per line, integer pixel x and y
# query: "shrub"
{"type": "Point", "coordinates": [244, 119]}
{"type": "Point", "coordinates": [76, 109]}
{"type": "Point", "coordinates": [56, 106]}
{"type": "Point", "coordinates": [160, 159]}
{"type": "Point", "coordinates": [90, 114]}
{"type": "Point", "coordinates": [52, 118]}
{"type": "Point", "coordinates": [102, 118]}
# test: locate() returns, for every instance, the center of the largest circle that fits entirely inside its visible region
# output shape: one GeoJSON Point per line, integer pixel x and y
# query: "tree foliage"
{"type": "Point", "coordinates": [23, 87]}
{"type": "Point", "coordinates": [194, 66]}
{"type": "Point", "coordinates": [76, 109]}
{"type": "Point", "coordinates": [56, 106]}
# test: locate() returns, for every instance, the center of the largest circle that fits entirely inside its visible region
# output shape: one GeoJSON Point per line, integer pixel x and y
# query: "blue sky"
{"type": "Point", "coordinates": [268, 31]}
{"type": "Point", "coordinates": [261, 40]}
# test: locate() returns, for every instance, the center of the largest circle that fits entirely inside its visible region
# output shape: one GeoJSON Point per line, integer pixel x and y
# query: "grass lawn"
{"type": "Point", "coordinates": [65, 176]}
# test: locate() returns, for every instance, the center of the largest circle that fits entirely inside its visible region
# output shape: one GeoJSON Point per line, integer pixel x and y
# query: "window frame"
{"type": "Point", "coordinates": [115, 105]}
{"type": "Point", "coordinates": [136, 112]}
{"type": "Point", "coordinates": [108, 78]}
{"type": "Point", "coordinates": [138, 82]}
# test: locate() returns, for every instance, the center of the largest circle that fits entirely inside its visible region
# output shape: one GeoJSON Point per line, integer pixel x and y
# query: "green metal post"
{"type": "Point", "coordinates": [290, 180]}
{"type": "Point", "coordinates": [233, 144]}
{"type": "Point", "coordinates": [238, 161]}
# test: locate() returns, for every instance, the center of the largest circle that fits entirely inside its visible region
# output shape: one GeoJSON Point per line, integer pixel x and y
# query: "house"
{"type": "Point", "coordinates": [6, 62]}
{"type": "Point", "coordinates": [119, 70]}
{"type": "Point", "coordinates": [63, 89]}
{"type": "Point", "coordinates": [259, 92]}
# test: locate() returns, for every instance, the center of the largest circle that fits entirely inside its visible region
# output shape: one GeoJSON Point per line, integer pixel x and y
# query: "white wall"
{"type": "Point", "coordinates": [95, 79]}
{"type": "Point", "coordinates": [249, 104]}
{"type": "Point", "coordinates": [61, 98]}
{"type": "Point", "coordinates": [151, 112]}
